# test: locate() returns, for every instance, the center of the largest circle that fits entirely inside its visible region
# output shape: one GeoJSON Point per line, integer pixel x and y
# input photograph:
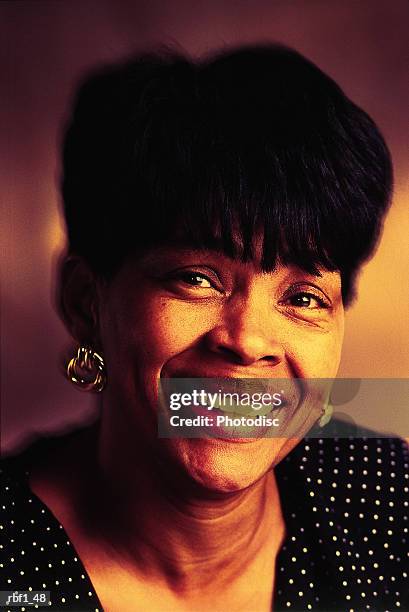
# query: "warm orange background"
{"type": "Point", "coordinates": [45, 47]}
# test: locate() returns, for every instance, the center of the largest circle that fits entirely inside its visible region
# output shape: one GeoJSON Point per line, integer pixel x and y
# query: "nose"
{"type": "Point", "coordinates": [247, 335]}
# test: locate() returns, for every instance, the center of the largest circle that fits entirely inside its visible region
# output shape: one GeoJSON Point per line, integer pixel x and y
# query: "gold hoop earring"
{"type": "Point", "coordinates": [326, 415]}
{"type": "Point", "coordinates": [87, 370]}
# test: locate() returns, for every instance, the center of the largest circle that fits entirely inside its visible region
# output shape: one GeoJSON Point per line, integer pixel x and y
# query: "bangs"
{"type": "Point", "coordinates": [212, 181]}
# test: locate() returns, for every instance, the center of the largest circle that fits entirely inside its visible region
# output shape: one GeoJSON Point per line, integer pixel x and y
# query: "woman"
{"type": "Point", "coordinates": [218, 212]}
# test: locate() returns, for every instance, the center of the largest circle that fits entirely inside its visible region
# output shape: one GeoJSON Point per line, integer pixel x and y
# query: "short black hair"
{"type": "Point", "coordinates": [254, 140]}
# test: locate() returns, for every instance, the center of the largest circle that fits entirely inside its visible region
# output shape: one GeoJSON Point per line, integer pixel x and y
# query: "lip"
{"type": "Point", "coordinates": [250, 424]}
{"type": "Point", "coordinates": [215, 381]}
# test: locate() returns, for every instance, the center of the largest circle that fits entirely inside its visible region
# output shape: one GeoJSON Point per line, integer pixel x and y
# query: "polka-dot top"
{"type": "Point", "coordinates": [345, 505]}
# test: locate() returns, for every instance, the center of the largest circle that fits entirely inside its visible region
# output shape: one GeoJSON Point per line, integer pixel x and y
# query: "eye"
{"type": "Point", "coordinates": [308, 299]}
{"type": "Point", "coordinates": [305, 299]}
{"type": "Point", "coordinates": [195, 280]}
{"type": "Point", "coordinates": [195, 283]}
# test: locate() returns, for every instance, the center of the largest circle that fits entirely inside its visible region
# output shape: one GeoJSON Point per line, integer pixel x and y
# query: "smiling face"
{"type": "Point", "coordinates": [178, 312]}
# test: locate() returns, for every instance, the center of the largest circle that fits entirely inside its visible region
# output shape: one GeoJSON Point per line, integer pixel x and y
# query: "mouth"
{"type": "Point", "coordinates": [300, 406]}
{"type": "Point", "coordinates": [228, 407]}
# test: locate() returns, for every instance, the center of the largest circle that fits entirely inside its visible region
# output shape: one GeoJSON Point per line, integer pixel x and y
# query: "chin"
{"type": "Point", "coordinates": [223, 466]}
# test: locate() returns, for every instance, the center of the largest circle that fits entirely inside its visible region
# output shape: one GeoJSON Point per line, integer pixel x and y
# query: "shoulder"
{"type": "Point", "coordinates": [25, 519]}
{"type": "Point", "coordinates": [354, 488]}
{"type": "Point", "coordinates": [346, 503]}
{"type": "Point", "coordinates": [45, 466]}
{"type": "Point", "coordinates": [37, 553]}
{"type": "Point", "coordinates": [33, 538]}
{"type": "Point", "coordinates": [349, 459]}
{"type": "Point", "coordinates": [341, 448]}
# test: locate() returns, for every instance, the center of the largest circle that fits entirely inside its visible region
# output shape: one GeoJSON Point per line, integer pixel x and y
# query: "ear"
{"type": "Point", "coordinates": [78, 300]}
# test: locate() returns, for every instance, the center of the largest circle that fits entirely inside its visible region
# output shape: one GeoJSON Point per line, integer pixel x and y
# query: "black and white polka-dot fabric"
{"type": "Point", "coordinates": [36, 553]}
{"type": "Point", "coordinates": [345, 504]}
{"type": "Point", "coordinates": [346, 508]}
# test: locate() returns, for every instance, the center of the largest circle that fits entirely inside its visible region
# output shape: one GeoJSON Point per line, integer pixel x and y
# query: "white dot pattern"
{"type": "Point", "coordinates": [37, 554]}
{"type": "Point", "coordinates": [343, 550]}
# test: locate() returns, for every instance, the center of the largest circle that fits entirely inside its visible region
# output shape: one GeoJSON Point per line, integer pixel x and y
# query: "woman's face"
{"type": "Point", "coordinates": [187, 313]}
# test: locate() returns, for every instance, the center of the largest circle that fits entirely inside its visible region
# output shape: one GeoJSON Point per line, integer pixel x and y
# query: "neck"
{"type": "Point", "coordinates": [175, 531]}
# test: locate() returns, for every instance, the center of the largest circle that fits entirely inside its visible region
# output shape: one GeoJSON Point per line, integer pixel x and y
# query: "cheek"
{"type": "Point", "coordinates": [316, 354]}
{"type": "Point", "coordinates": [155, 329]}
